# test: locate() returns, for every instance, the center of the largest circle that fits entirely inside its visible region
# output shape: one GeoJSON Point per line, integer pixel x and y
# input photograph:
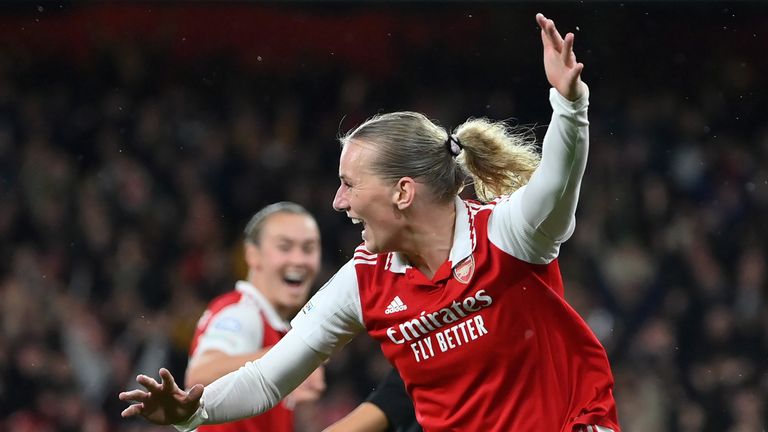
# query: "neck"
{"type": "Point", "coordinates": [430, 237]}
{"type": "Point", "coordinates": [282, 311]}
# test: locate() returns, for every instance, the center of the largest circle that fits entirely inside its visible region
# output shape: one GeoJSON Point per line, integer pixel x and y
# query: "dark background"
{"type": "Point", "coordinates": [136, 139]}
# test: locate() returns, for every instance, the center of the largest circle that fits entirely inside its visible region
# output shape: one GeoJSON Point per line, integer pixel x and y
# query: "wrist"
{"type": "Point", "coordinates": [577, 92]}
{"type": "Point", "coordinates": [198, 418]}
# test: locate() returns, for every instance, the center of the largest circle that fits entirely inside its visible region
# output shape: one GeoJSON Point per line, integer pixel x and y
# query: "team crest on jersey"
{"type": "Point", "coordinates": [464, 270]}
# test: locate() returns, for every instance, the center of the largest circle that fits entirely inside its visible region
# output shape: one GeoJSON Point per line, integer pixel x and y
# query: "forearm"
{"type": "Point", "coordinates": [212, 365]}
{"type": "Point", "coordinates": [367, 417]}
{"type": "Point", "coordinates": [257, 386]}
{"type": "Point", "coordinates": [549, 201]}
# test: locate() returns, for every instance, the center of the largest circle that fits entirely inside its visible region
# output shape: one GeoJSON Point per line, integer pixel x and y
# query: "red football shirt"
{"type": "Point", "coordinates": [489, 343]}
{"type": "Point", "coordinates": [238, 322]}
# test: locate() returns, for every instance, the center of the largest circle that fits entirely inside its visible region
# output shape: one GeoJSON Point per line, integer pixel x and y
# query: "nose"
{"type": "Point", "coordinates": [298, 257]}
{"type": "Point", "coordinates": [340, 202]}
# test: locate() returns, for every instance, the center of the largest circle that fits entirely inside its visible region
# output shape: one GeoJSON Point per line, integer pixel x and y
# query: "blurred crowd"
{"type": "Point", "coordinates": [125, 182]}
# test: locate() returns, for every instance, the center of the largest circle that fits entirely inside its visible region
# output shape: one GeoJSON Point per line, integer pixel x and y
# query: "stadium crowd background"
{"type": "Point", "coordinates": [136, 140]}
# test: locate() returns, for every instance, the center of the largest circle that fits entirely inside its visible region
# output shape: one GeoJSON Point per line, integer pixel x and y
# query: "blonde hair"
{"type": "Point", "coordinates": [498, 159]}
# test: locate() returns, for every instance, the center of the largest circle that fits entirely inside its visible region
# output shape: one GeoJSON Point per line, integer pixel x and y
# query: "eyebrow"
{"type": "Point", "coordinates": [282, 237]}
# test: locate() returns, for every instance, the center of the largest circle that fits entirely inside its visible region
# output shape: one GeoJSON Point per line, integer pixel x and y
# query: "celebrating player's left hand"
{"type": "Point", "coordinates": [563, 71]}
{"type": "Point", "coordinates": [164, 402]}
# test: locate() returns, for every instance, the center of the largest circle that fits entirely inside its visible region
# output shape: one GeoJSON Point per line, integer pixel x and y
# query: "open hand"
{"type": "Point", "coordinates": [563, 71]}
{"type": "Point", "coordinates": [164, 402]}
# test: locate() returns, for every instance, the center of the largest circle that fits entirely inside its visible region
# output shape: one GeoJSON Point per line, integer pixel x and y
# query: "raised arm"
{"type": "Point", "coordinates": [533, 222]}
{"type": "Point", "coordinates": [549, 201]}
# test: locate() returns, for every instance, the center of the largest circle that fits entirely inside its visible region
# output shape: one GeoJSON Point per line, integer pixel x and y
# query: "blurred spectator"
{"type": "Point", "coordinates": [128, 165]}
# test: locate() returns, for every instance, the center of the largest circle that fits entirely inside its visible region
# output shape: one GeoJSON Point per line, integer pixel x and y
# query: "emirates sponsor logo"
{"type": "Point", "coordinates": [464, 270]}
{"type": "Point", "coordinates": [396, 305]}
{"type": "Point", "coordinates": [426, 323]}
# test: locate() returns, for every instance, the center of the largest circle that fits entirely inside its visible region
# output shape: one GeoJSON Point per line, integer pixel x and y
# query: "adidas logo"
{"type": "Point", "coordinates": [396, 305]}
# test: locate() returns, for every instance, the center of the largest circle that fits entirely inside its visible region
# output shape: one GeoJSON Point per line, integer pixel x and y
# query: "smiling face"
{"type": "Point", "coordinates": [285, 261]}
{"type": "Point", "coordinates": [368, 199]}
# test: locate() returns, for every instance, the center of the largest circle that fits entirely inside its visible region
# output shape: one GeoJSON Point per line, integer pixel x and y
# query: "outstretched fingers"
{"type": "Point", "coordinates": [149, 383]}
{"type": "Point", "coordinates": [195, 393]}
{"type": "Point", "coordinates": [575, 72]}
{"type": "Point", "coordinates": [134, 395]}
{"type": "Point", "coordinates": [569, 58]}
{"type": "Point", "coordinates": [132, 410]}
{"type": "Point", "coordinates": [168, 383]}
{"type": "Point", "coordinates": [550, 37]}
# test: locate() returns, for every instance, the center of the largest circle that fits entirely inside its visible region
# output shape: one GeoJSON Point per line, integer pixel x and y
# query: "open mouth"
{"type": "Point", "coordinates": [293, 278]}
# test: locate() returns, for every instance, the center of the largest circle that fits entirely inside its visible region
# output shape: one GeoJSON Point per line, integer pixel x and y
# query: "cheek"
{"type": "Point", "coordinates": [276, 262]}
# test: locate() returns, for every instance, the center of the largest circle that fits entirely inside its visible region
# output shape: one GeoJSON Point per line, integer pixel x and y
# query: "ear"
{"type": "Point", "coordinates": [252, 254]}
{"type": "Point", "coordinates": [404, 193]}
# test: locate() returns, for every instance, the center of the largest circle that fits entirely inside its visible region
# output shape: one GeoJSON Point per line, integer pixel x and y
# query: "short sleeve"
{"type": "Point", "coordinates": [235, 329]}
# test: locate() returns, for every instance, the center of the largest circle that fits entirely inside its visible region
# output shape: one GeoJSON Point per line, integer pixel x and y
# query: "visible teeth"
{"type": "Point", "coordinates": [356, 221]}
{"type": "Point", "coordinates": [294, 276]}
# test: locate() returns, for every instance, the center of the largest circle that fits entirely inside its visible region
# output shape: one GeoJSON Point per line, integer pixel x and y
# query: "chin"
{"type": "Point", "coordinates": [371, 247]}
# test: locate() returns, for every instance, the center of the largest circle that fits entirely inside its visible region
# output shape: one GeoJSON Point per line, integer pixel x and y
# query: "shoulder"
{"type": "Point", "coordinates": [225, 300]}
{"type": "Point", "coordinates": [232, 311]}
{"type": "Point", "coordinates": [363, 256]}
{"type": "Point", "coordinates": [480, 213]}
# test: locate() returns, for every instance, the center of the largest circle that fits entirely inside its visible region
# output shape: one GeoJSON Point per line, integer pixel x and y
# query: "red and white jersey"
{"type": "Point", "coordinates": [240, 322]}
{"type": "Point", "coordinates": [489, 342]}
{"type": "Point", "coordinates": [486, 344]}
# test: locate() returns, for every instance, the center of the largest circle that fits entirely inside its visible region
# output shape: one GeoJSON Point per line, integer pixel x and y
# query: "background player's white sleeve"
{"type": "Point", "coordinates": [257, 386]}
{"type": "Point", "coordinates": [234, 330]}
{"type": "Point", "coordinates": [333, 316]}
{"type": "Point", "coordinates": [531, 223]}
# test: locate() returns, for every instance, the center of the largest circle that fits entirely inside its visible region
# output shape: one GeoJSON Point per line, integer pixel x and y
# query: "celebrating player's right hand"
{"type": "Point", "coordinates": [164, 402]}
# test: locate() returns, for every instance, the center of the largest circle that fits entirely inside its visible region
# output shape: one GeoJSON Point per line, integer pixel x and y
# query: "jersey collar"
{"type": "Point", "coordinates": [274, 319]}
{"type": "Point", "coordinates": [463, 240]}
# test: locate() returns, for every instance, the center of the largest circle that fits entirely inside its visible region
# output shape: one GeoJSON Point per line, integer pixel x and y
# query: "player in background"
{"type": "Point", "coordinates": [282, 252]}
{"type": "Point", "coordinates": [465, 298]}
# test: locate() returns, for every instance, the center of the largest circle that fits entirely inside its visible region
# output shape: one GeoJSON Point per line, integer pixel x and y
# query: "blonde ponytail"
{"type": "Point", "coordinates": [497, 158]}
{"type": "Point", "coordinates": [500, 159]}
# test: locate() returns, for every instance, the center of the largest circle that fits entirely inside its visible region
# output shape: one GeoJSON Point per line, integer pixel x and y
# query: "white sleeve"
{"type": "Point", "coordinates": [257, 386]}
{"type": "Point", "coordinates": [236, 329]}
{"type": "Point", "coordinates": [330, 319]}
{"type": "Point", "coordinates": [531, 223]}
{"type": "Point", "coordinates": [333, 316]}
